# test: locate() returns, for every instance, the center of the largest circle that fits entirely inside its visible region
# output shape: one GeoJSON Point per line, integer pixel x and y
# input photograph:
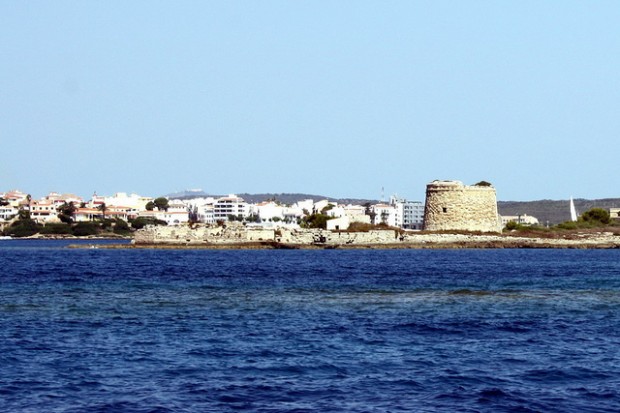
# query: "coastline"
{"type": "Point", "coordinates": [421, 241]}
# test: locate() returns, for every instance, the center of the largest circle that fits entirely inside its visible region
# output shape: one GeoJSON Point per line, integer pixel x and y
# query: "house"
{"type": "Point", "coordinates": [523, 219]}
{"type": "Point", "coordinates": [384, 214]}
{"type": "Point", "coordinates": [7, 212]}
{"type": "Point", "coordinates": [43, 211]}
{"type": "Point", "coordinates": [121, 199]}
{"type": "Point", "coordinates": [86, 214]}
{"type": "Point", "coordinates": [269, 211]}
{"type": "Point", "coordinates": [176, 214]}
{"type": "Point", "coordinates": [15, 198]}
{"type": "Point", "coordinates": [341, 223]}
{"type": "Point", "coordinates": [169, 217]}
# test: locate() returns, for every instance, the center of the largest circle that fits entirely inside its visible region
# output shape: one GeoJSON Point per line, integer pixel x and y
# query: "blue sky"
{"type": "Point", "coordinates": [323, 97]}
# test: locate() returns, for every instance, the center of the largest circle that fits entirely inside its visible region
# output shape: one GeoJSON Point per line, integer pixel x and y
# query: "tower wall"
{"type": "Point", "coordinates": [451, 206]}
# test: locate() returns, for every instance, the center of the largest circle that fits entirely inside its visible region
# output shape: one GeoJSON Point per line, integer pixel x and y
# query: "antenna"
{"type": "Point", "coordinates": [382, 194]}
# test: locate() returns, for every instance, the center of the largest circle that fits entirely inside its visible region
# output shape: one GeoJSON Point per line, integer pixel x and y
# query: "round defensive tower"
{"type": "Point", "coordinates": [452, 206]}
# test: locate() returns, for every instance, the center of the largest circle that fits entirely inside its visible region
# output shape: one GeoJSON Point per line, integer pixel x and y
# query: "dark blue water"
{"type": "Point", "coordinates": [302, 331]}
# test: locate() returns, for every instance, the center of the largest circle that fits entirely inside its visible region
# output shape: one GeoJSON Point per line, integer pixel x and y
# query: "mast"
{"type": "Point", "coordinates": [573, 211]}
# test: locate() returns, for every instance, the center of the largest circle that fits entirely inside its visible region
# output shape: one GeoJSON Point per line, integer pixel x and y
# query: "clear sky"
{"type": "Point", "coordinates": [338, 98]}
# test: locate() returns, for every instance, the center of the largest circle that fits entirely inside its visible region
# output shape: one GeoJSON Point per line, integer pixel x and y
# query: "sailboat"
{"type": "Point", "coordinates": [573, 211]}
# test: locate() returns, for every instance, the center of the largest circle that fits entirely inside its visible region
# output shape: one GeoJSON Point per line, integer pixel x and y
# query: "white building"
{"type": "Point", "coordinates": [44, 211]}
{"type": "Point", "coordinates": [319, 206]}
{"type": "Point", "coordinates": [355, 211]}
{"type": "Point", "coordinates": [202, 208]}
{"type": "Point", "coordinates": [269, 211]}
{"type": "Point", "coordinates": [408, 214]}
{"type": "Point", "coordinates": [306, 205]}
{"type": "Point", "coordinates": [519, 219]}
{"type": "Point", "coordinates": [169, 217]}
{"type": "Point", "coordinates": [336, 224]}
{"type": "Point", "coordinates": [230, 205]}
{"type": "Point", "coordinates": [7, 212]}
{"type": "Point", "coordinates": [15, 198]}
{"type": "Point", "coordinates": [206, 213]}
{"type": "Point", "coordinates": [121, 199]}
{"type": "Point", "coordinates": [384, 214]}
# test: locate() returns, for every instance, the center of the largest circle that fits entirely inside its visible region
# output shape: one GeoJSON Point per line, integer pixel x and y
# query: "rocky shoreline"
{"type": "Point", "coordinates": [603, 240]}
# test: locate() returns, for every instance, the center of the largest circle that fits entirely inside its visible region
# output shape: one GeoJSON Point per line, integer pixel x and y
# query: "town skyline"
{"type": "Point", "coordinates": [382, 195]}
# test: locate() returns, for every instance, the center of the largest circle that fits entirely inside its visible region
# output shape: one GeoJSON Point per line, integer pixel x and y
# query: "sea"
{"type": "Point", "coordinates": [136, 330]}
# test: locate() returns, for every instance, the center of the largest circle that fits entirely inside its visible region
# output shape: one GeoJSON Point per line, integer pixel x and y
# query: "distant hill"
{"type": "Point", "coordinates": [187, 194]}
{"type": "Point", "coordinates": [292, 198]}
{"type": "Point", "coordinates": [551, 211]}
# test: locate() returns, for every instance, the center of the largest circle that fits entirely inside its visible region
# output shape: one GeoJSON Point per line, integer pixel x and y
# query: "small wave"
{"type": "Point", "coordinates": [466, 291]}
{"type": "Point", "coordinates": [493, 393]}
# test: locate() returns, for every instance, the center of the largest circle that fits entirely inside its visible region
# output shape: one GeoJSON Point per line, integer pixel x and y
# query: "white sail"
{"type": "Point", "coordinates": [573, 211]}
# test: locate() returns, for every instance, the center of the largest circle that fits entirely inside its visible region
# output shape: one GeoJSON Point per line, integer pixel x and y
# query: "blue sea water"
{"type": "Point", "coordinates": [96, 330]}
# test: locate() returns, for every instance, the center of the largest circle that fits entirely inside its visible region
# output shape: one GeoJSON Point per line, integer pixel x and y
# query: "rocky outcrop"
{"type": "Point", "coordinates": [239, 236]}
{"type": "Point", "coordinates": [229, 234]}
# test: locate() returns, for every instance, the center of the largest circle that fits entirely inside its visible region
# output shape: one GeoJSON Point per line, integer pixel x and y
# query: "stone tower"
{"type": "Point", "coordinates": [452, 206]}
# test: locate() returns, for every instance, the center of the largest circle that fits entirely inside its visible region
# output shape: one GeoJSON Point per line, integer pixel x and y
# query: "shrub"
{"type": "Point", "coordinates": [82, 229]}
{"type": "Point", "coordinates": [511, 225]}
{"type": "Point", "coordinates": [57, 228]}
{"type": "Point", "coordinates": [483, 183]}
{"type": "Point", "coordinates": [360, 227]}
{"type": "Point", "coordinates": [141, 222]}
{"type": "Point", "coordinates": [107, 223]}
{"type": "Point", "coordinates": [596, 215]}
{"type": "Point", "coordinates": [569, 225]}
{"type": "Point", "coordinates": [121, 227]}
{"type": "Point", "coordinates": [23, 228]}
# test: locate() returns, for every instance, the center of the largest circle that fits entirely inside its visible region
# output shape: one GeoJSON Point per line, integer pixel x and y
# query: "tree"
{"type": "Point", "coordinates": [192, 213]}
{"type": "Point", "coordinates": [596, 215]}
{"type": "Point", "coordinates": [368, 211]}
{"type": "Point", "coordinates": [252, 218]}
{"type": "Point", "coordinates": [384, 217]}
{"type": "Point", "coordinates": [103, 208]}
{"type": "Point", "coordinates": [66, 211]}
{"type": "Point", "coordinates": [149, 206]}
{"type": "Point", "coordinates": [23, 215]}
{"type": "Point", "coordinates": [315, 221]}
{"type": "Point", "coordinates": [161, 203]}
